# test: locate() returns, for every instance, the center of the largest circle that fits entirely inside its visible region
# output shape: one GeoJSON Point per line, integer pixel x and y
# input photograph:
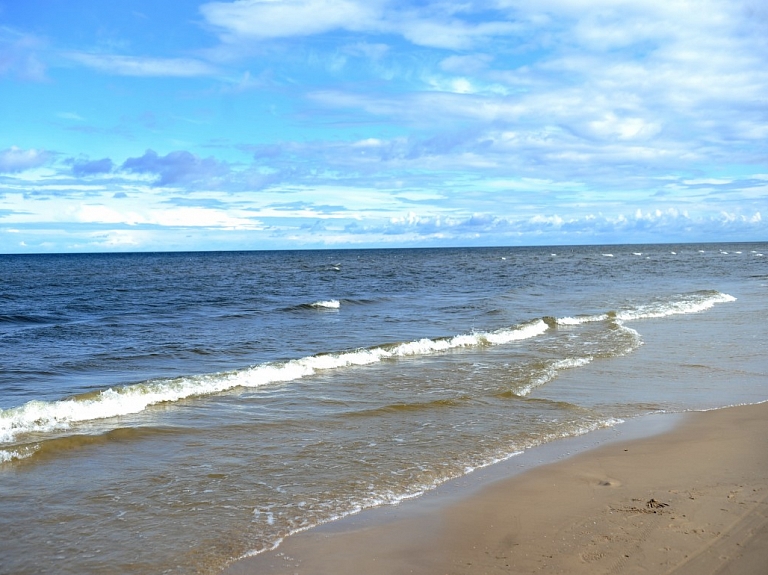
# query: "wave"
{"type": "Point", "coordinates": [26, 319]}
{"type": "Point", "coordinates": [53, 446]}
{"type": "Point", "coordinates": [682, 304]}
{"type": "Point", "coordinates": [581, 319]}
{"type": "Point", "coordinates": [435, 404]}
{"type": "Point", "coordinates": [695, 302]}
{"type": "Point", "coordinates": [551, 371]}
{"type": "Point", "coordinates": [49, 416]}
{"type": "Point", "coordinates": [44, 416]}
{"type": "Point", "coordinates": [328, 304]}
{"type": "Point", "coordinates": [331, 304]}
{"type": "Point", "coordinates": [7, 455]}
{"type": "Point", "coordinates": [391, 496]}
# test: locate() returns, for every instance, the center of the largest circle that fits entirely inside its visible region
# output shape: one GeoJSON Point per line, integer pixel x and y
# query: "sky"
{"type": "Point", "coordinates": [298, 124]}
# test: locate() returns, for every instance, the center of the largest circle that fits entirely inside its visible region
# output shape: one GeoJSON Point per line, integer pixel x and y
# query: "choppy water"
{"type": "Point", "coordinates": [166, 413]}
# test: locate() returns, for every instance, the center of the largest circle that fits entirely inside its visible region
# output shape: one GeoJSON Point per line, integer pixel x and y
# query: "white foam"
{"type": "Point", "coordinates": [391, 497]}
{"type": "Point", "coordinates": [578, 320]}
{"type": "Point", "coordinates": [692, 303]}
{"type": "Point", "coordinates": [7, 455]}
{"type": "Point", "coordinates": [572, 362]}
{"type": "Point", "coordinates": [43, 416]}
{"type": "Point", "coordinates": [552, 370]}
{"type": "Point", "coordinates": [327, 304]}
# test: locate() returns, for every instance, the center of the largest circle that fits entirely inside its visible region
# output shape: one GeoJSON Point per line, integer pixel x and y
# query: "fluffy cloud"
{"type": "Point", "coordinates": [284, 18]}
{"type": "Point", "coordinates": [15, 159]}
{"type": "Point", "coordinates": [616, 88]}
{"type": "Point", "coordinates": [180, 167]}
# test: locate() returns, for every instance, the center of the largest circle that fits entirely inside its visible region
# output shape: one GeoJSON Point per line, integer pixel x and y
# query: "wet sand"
{"type": "Point", "coordinates": [692, 500]}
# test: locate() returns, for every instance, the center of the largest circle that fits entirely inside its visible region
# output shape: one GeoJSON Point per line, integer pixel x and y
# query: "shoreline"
{"type": "Point", "coordinates": [684, 493]}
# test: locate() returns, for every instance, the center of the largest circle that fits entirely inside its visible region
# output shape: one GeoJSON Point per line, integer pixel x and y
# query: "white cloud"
{"type": "Point", "coordinates": [15, 159]}
{"type": "Point", "coordinates": [70, 116]}
{"type": "Point", "coordinates": [286, 18]}
{"type": "Point", "coordinates": [183, 217]}
{"type": "Point", "coordinates": [432, 24]}
{"type": "Point", "coordinates": [117, 239]}
{"type": "Point", "coordinates": [610, 125]}
{"type": "Point", "coordinates": [203, 217]}
{"type": "Point", "coordinates": [452, 34]}
{"type": "Point", "coordinates": [138, 66]}
{"type": "Point", "coordinates": [708, 181]}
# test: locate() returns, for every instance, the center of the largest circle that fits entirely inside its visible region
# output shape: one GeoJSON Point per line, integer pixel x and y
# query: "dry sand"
{"type": "Point", "coordinates": [691, 501]}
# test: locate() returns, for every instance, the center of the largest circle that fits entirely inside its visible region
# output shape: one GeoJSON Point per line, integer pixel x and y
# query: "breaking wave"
{"type": "Point", "coordinates": [47, 416]}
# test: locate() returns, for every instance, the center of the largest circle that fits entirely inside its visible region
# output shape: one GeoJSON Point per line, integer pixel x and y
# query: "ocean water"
{"type": "Point", "coordinates": [168, 413]}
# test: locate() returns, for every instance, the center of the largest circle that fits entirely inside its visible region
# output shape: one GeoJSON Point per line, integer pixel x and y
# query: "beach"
{"type": "Point", "coordinates": [691, 500]}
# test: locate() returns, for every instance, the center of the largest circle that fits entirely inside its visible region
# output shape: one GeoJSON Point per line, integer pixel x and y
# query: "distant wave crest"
{"type": "Point", "coordinates": [327, 304]}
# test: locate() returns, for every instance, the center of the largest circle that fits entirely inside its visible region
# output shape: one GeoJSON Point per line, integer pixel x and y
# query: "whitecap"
{"type": "Point", "coordinates": [581, 319]}
{"type": "Point", "coordinates": [49, 416]}
{"type": "Point", "coordinates": [327, 304]}
{"type": "Point", "coordinates": [690, 303]}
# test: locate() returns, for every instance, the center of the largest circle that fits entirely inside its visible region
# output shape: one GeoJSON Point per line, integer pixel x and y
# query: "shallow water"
{"type": "Point", "coordinates": [166, 413]}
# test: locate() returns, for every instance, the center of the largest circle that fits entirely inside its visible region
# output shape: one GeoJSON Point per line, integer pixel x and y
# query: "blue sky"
{"type": "Point", "coordinates": [270, 124]}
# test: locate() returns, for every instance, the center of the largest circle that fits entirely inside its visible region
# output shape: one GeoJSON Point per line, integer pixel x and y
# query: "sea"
{"type": "Point", "coordinates": [172, 412]}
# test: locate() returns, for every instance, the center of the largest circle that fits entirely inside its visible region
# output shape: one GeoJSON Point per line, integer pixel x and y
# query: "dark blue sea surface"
{"type": "Point", "coordinates": [169, 412]}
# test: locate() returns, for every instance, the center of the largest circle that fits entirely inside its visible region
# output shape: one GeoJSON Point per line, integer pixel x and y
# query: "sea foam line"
{"type": "Point", "coordinates": [48, 416]}
{"type": "Point", "coordinates": [386, 497]}
{"type": "Point", "coordinates": [553, 370]}
{"type": "Point", "coordinates": [683, 304]}
{"type": "Point", "coordinates": [688, 303]}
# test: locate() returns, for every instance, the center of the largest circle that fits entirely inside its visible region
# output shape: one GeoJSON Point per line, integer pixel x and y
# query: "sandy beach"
{"type": "Point", "coordinates": [692, 500]}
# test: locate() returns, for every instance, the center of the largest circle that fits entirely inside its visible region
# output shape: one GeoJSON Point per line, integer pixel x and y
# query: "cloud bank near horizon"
{"type": "Point", "coordinates": [340, 123]}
